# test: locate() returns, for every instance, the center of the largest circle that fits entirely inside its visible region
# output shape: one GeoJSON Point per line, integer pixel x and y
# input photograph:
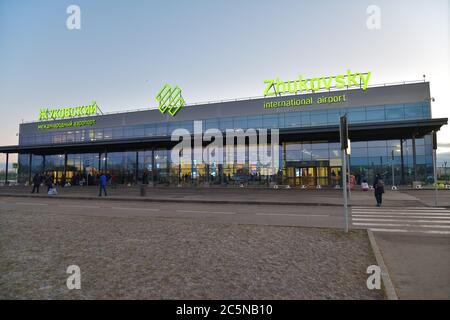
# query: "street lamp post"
{"type": "Point", "coordinates": [445, 172]}
{"type": "Point", "coordinates": [434, 169]}
{"type": "Point", "coordinates": [393, 173]}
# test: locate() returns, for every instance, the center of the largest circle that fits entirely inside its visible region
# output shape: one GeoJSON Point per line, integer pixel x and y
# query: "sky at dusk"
{"type": "Point", "coordinates": [213, 49]}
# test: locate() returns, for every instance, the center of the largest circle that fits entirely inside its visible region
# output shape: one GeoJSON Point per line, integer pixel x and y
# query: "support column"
{"type": "Point", "coordinates": [414, 157]}
{"type": "Point", "coordinates": [137, 167]}
{"type": "Point", "coordinates": [106, 162]}
{"type": "Point", "coordinates": [65, 167]}
{"type": "Point", "coordinates": [100, 161]}
{"type": "Point", "coordinates": [30, 161]}
{"type": "Point", "coordinates": [6, 169]}
{"type": "Point", "coordinates": [402, 165]}
{"type": "Point", "coordinates": [43, 163]}
{"type": "Point", "coordinates": [153, 168]}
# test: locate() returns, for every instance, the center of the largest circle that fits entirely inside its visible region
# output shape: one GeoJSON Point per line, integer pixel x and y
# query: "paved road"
{"type": "Point", "coordinates": [238, 214]}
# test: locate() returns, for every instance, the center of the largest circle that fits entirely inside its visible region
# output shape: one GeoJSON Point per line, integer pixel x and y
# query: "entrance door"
{"type": "Point", "coordinates": [309, 176]}
{"type": "Point", "coordinates": [297, 176]}
{"type": "Point", "coordinates": [322, 174]}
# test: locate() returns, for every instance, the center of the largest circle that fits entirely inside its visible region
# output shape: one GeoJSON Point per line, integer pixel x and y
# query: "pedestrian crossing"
{"type": "Point", "coordinates": [424, 220]}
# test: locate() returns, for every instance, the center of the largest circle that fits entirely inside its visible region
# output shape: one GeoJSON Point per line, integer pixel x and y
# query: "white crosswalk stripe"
{"type": "Point", "coordinates": [402, 220]}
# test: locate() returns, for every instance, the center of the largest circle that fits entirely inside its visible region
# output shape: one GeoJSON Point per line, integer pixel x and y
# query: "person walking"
{"type": "Point", "coordinates": [102, 183]}
{"type": "Point", "coordinates": [49, 182]}
{"type": "Point", "coordinates": [378, 186]}
{"type": "Point", "coordinates": [37, 180]}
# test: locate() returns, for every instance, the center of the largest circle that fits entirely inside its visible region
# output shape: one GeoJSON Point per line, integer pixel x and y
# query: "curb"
{"type": "Point", "coordinates": [165, 200]}
{"type": "Point", "coordinates": [174, 200]}
{"type": "Point", "coordinates": [388, 285]}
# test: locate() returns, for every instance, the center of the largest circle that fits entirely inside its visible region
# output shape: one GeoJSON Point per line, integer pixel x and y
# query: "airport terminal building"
{"type": "Point", "coordinates": [389, 125]}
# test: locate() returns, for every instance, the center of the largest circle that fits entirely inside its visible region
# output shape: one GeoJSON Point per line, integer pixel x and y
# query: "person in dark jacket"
{"type": "Point", "coordinates": [102, 183]}
{"type": "Point", "coordinates": [49, 182]}
{"type": "Point", "coordinates": [37, 180]}
{"type": "Point", "coordinates": [378, 186]}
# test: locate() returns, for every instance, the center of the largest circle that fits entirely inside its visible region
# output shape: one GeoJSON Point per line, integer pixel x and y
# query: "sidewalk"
{"type": "Point", "coordinates": [324, 197]}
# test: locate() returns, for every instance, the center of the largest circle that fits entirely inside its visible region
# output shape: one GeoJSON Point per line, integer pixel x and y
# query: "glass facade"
{"type": "Point", "coordinates": [410, 111]}
{"type": "Point", "coordinates": [308, 163]}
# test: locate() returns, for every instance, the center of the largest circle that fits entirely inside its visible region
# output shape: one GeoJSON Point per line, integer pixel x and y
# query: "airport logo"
{"type": "Point", "coordinates": [340, 81]}
{"type": "Point", "coordinates": [69, 112]}
{"type": "Point", "coordinates": [170, 100]}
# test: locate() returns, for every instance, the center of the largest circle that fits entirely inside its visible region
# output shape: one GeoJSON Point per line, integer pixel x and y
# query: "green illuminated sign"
{"type": "Point", "coordinates": [66, 124]}
{"type": "Point", "coordinates": [305, 101]}
{"type": "Point", "coordinates": [67, 113]}
{"type": "Point", "coordinates": [169, 100]}
{"type": "Point", "coordinates": [276, 86]}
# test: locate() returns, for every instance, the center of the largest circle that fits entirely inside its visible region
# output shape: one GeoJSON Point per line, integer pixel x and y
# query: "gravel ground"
{"type": "Point", "coordinates": [148, 258]}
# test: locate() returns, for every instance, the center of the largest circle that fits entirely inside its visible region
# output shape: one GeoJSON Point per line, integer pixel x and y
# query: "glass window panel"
{"type": "Point", "coordinates": [117, 133]}
{"type": "Point", "coordinates": [358, 161]}
{"type": "Point", "coordinates": [128, 132]}
{"type": "Point", "coordinates": [320, 154]}
{"type": "Point", "coordinates": [359, 144]}
{"type": "Point", "coordinates": [240, 122]}
{"type": "Point", "coordinates": [172, 126]}
{"type": "Point", "coordinates": [107, 134]}
{"type": "Point", "coordinates": [98, 134]}
{"type": "Point", "coordinates": [254, 122]}
{"type": "Point", "coordinates": [319, 146]}
{"type": "Point", "coordinates": [189, 126]}
{"type": "Point", "coordinates": [139, 131]}
{"type": "Point", "coordinates": [70, 137]}
{"type": "Point", "coordinates": [306, 118]}
{"type": "Point", "coordinates": [359, 152]}
{"type": "Point", "coordinates": [377, 143]}
{"type": "Point", "coordinates": [395, 112]}
{"type": "Point", "coordinates": [333, 116]}
{"type": "Point", "coordinates": [375, 113]}
{"type": "Point", "coordinates": [356, 115]}
{"type": "Point", "coordinates": [393, 143]}
{"type": "Point", "coordinates": [292, 120]}
{"type": "Point", "coordinates": [413, 112]}
{"type": "Point", "coordinates": [377, 151]}
{"type": "Point", "coordinates": [420, 142]}
{"type": "Point", "coordinates": [226, 123]}
{"type": "Point", "coordinates": [150, 130]}
{"type": "Point", "coordinates": [270, 121]}
{"type": "Point", "coordinates": [420, 150]}
{"type": "Point", "coordinates": [426, 111]}
{"type": "Point", "coordinates": [318, 118]}
{"type": "Point", "coordinates": [211, 124]}
{"type": "Point", "coordinates": [335, 153]}
{"type": "Point", "coordinates": [161, 129]}
{"type": "Point", "coordinates": [281, 120]}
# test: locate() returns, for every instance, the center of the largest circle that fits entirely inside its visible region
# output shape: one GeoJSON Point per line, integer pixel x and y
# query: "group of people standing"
{"type": "Point", "coordinates": [42, 178]}
{"type": "Point", "coordinates": [48, 180]}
